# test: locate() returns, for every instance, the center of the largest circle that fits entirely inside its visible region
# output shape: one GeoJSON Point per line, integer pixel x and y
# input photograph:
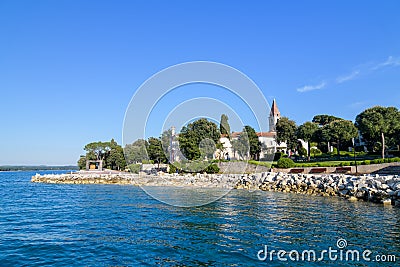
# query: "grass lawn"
{"type": "Point", "coordinates": [333, 163]}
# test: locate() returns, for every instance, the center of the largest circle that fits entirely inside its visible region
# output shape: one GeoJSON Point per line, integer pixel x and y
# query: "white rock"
{"type": "Point", "coordinates": [384, 187]}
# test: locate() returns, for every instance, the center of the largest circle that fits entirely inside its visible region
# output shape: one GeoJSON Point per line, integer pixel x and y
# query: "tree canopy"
{"type": "Point", "coordinates": [378, 124]}
{"type": "Point", "coordinates": [110, 153]}
{"type": "Point", "coordinates": [99, 149]}
{"type": "Point", "coordinates": [339, 131]}
{"type": "Point", "coordinates": [307, 132]}
{"type": "Point", "coordinates": [224, 126]}
{"type": "Point", "coordinates": [198, 139]}
{"type": "Point", "coordinates": [155, 150]}
{"type": "Point", "coordinates": [286, 132]}
{"type": "Point", "coordinates": [241, 146]}
{"type": "Point", "coordinates": [137, 151]}
{"type": "Point", "coordinates": [324, 119]}
{"type": "Point", "coordinates": [254, 143]}
{"type": "Point", "coordinates": [165, 142]}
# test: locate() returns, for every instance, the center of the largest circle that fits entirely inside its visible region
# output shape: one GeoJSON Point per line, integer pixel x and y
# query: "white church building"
{"type": "Point", "coordinates": [269, 146]}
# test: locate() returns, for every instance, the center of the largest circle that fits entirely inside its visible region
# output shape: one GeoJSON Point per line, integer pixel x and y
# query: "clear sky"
{"type": "Point", "coordinates": [68, 69]}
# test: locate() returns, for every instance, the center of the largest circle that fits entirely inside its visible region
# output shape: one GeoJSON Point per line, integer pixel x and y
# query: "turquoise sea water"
{"type": "Point", "coordinates": [112, 225]}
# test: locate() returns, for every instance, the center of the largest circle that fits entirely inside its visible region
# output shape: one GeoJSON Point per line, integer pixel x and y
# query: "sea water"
{"type": "Point", "coordinates": [114, 225]}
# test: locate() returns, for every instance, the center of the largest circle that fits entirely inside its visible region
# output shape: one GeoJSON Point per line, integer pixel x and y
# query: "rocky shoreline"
{"type": "Point", "coordinates": [373, 188]}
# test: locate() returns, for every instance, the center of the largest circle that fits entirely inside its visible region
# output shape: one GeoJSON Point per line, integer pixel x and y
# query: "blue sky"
{"type": "Point", "coordinates": [68, 69]}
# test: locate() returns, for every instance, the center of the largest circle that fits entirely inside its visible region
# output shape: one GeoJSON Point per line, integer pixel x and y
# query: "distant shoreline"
{"type": "Point", "coordinates": [10, 168]}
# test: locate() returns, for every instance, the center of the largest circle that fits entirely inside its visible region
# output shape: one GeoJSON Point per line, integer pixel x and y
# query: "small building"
{"type": "Point", "coordinates": [94, 165]}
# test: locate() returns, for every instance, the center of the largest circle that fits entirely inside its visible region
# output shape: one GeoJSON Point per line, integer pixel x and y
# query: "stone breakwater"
{"type": "Point", "coordinates": [373, 188]}
{"type": "Point", "coordinates": [198, 180]}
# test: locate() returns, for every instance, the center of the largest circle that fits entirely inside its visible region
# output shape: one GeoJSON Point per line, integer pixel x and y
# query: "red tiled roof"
{"type": "Point", "coordinates": [262, 134]}
{"type": "Point", "coordinates": [235, 134]}
{"type": "Point", "coordinates": [266, 134]}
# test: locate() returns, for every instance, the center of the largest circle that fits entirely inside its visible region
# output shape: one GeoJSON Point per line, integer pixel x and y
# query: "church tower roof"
{"type": "Point", "coordinates": [274, 110]}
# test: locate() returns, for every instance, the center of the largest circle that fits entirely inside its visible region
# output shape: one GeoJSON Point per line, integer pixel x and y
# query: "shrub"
{"type": "Point", "coordinates": [367, 162]}
{"type": "Point", "coordinates": [148, 161]}
{"type": "Point", "coordinates": [378, 161]}
{"type": "Point", "coordinates": [135, 168]}
{"type": "Point", "coordinates": [285, 163]}
{"type": "Point", "coordinates": [303, 152]}
{"type": "Point", "coordinates": [212, 168]}
{"type": "Point", "coordinates": [315, 151]}
{"type": "Point", "coordinates": [172, 168]}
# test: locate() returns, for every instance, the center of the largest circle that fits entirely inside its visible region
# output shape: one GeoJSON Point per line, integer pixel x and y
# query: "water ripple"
{"type": "Point", "coordinates": [111, 225]}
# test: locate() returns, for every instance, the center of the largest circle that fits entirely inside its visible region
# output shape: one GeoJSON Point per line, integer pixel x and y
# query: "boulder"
{"type": "Point", "coordinates": [387, 201]}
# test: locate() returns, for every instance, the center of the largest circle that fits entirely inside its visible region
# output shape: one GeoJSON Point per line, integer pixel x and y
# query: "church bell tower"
{"type": "Point", "coordinates": [274, 116]}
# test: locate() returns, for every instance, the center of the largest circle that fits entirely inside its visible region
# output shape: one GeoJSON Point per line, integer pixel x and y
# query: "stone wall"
{"type": "Point", "coordinates": [362, 169]}
{"type": "Point", "coordinates": [374, 188]}
{"type": "Point", "coordinates": [241, 167]}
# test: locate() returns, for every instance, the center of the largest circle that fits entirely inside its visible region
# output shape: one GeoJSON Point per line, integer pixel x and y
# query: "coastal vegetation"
{"type": "Point", "coordinates": [110, 153]}
{"type": "Point", "coordinates": [198, 139]}
{"type": "Point", "coordinates": [380, 127]}
{"type": "Point", "coordinates": [377, 131]}
{"type": "Point", "coordinates": [198, 143]}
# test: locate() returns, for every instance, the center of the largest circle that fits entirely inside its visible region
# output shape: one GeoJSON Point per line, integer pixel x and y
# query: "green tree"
{"type": "Point", "coordinates": [340, 131]}
{"type": "Point", "coordinates": [254, 143]}
{"type": "Point", "coordinates": [166, 142]}
{"type": "Point", "coordinates": [100, 149]}
{"type": "Point", "coordinates": [224, 126]}
{"type": "Point", "coordinates": [286, 132]}
{"type": "Point", "coordinates": [200, 133]}
{"type": "Point", "coordinates": [110, 153]}
{"type": "Point", "coordinates": [155, 151]}
{"type": "Point", "coordinates": [323, 120]}
{"type": "Point", "coordinates": [307, 132]}
{"type": "Point", "coordinates": [220, 147]}
{"type": "Point", "coordinates": [379, 123]}
{"type": "Point", "coordinates": [82, 162]}
{"type": "Point", "coordinates": [136, 152]}
{"type": "Point", "coordinates": [241, 146]}
{"type": "Point", "coordinates": [322, 138]}
{"type": "Point", "coordinates": [321, 135]}
{"type": "Point", "coordinates": [115, 159]}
